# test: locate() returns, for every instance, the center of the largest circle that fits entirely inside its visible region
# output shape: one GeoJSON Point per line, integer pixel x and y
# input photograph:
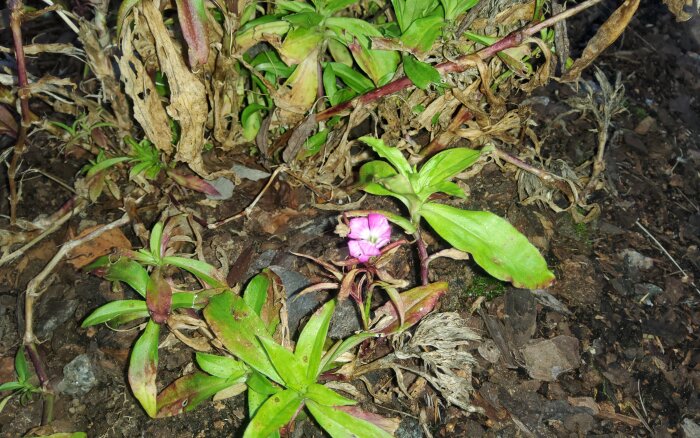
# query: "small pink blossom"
{"type": "Point", "coordinates": [368, 235]}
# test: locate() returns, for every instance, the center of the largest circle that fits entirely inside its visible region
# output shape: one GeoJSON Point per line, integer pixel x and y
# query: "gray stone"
{"type": "Point", "coordinates": [78, 376]}
{"type": "Point", "coordinates": [225, 188]}
{"type": "Point", "coordinates": [53, 316]}
{"type": "Point", "coordinates": [546, 359]}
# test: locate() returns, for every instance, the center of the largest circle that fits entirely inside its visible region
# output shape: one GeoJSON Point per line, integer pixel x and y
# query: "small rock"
{"type": "Point", "coordinates": [78, 376]}
{"type": "Point", "coordinates": [547, 359]}
{"type": "Point", "coordinates": [345, 321]}
{"type": "Point", "coordinates": [54, 315]}
{"type": "Point", "coordinates": [489, 351]}
{"type": "Point", "coordinates": [248, 173]}
{"type": "Point", "coordinates": [225, 188]}
{"type": "Point", "coordinates": [636, 262]}
{"type": "Point", "coordinates": [690, 428]}
{"type": "Point", "coordinates": [409, 428]}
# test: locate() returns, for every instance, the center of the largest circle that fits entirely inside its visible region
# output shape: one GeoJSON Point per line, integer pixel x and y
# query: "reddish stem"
{"type": "Point", "coordinates": [423, 257]}
{"type": "Point", "coordinates": [460, 64]}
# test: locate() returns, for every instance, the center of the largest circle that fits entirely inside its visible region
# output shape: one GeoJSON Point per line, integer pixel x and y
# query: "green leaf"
{"type": "Point", "coordinates": [337, 5]}
{"type": "Point", "coordinates": [185, 393]}
{"type": "Point", "coordinates": [239, 328]}
{"type": "Point", "coordinates": [255, 293]}
{"type": "Point", "coordinates": [357, 82]}
{"type": "Point", "coordinates": [251, 120]}
{"type": "Point", "coordinates": [445, 165]}
{"type": "Point", "coordinates": [293, 6]}
{"type": "Point", "coordinates": [347, 28]}
{"type": "Point", "coordinates": [102, 165]}
{"type": "Point", "coordinates": [339, 424]}
{"type": "Point", "coordinates": [374, 171]}
{"type": "Point", "coordinates": [420, 73]}
{"type": "Point", "coordinates": [391, 154]}
{"type": "Point", "coordinates": [310, 344]}
{"type": "Point", "coordinates": [132, 308]}
{"type": "Point", "coordinates": [21, 366]}
{"type": "Point", "coordinates": [326, 396]}
{"type": "Point", "coordinates": [156, 240]}
{"type": "Point", "coordinates": [277, 411]}
{"type": "Point", "coordinates": [454, 8]}
{"type": "Point", "coordinates": [447, 187]}
{"type": "Point", "coordinates": [202, 270]}
{"type": "Point", "coordinates": [493, 242]}
{"type": "Point", "coordinates": [12, 386]}
{"type": "Point", "coordinates": [379, 65]}
{"type": "Point", "coordinates": [127, 271]}
{"type": "Point", "coordinates": [421, 34]}
{"type": "Point", "coordinates": [343, 346]}
{"type": "Point", "coordinates": [143, 368]}
{"type": "Point", "coordinates": [299, 43]}
{"type": "Point", "coordinates": [220, 366]}
{"type": "Point", "coordinates": [291, 369]}
{"type": "Point", "coordinates": [339, 52]}
{"type": "Point", "coordinates": [305, 19]}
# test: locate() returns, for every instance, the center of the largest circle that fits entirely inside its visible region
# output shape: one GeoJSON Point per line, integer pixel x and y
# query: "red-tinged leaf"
{"type": "Point", "coordinates": [417, 303]}
{"type": "Point", "coordinates": [388, 424]}
{"type": "Point", "coordinates": [339, 423]}
{"type": "Point", "coordinates": [192, 15]}
{"type": "Point", "coordinates": [239, 328]}
{"type": "Point", "coordinates": [187, 392]}
{"type": "Point", "coordinates": [193, 182]}
{"type": "Point", "coordinates": [159, 296]}
{"type": "Point", "coordinates": [143, 368]}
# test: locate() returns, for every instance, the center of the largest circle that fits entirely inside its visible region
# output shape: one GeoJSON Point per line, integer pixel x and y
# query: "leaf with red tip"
{"type": "Point", "coordinates": [159, 296]}
{"type": "Point", "coordinates": [193, 182]}
{"type": "Point", "coordinates": [143, 368]}
{"type": "Point", "coordinates": [192, 15]}
{"type": "Point", "coordinates": [185, 393]}
{"type": "Point", "coordinates": [417, 303]}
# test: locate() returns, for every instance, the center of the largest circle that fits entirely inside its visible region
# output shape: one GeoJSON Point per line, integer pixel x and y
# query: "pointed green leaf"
{"type": "Point", "coordinates": [299, 43]}
{"type": "Point", "coordinates": [124, 269]}
{"type": "Point", "coordinates": [255, 294]}
{"type": "Point", "coordinates": [292, 370]}
{"type": "Point", "coordinates": [115, 309]}
{"type": "Point", "coordinates": [343, 346]}
{"type": "Point", "coordinates": [356, 81]}
{"type": "Point", "coordinates": [375, 171]}
{"type": "Point", "coordinates": [156, 240]}
{"type": "Point", "coordinates": [391, 154]}
{"type": "Point", "coordinates": [420, 73]}
{"type": "Point", "coordinates": [239, 328]}
{"type": "Point", "coordinates": [446, 187]}
{"type": "Point", "coordinates": [277, 411]}
{"type": "Point", "coordinates": [202, 270]}
{"type": "Point", "coordinates": [21, 366]}
{"type": "Point", "coordinates": [422, 33]}
{"type": "Point", "coordinates": [343, 425]}
{"type": "Point", "coordinates": [185, 393]}
{"type": "Point", "coordinates": [326, 396]}
{"type": "Point", "coordinates": [310, 344]}
{"type": "Point", "coordinates": [143, 368]}
{"type": "Point", "coordinates": [220, 366]}
{"type": "Point", "coordinates": [445, 165]}
{"type": "Point", "coordinates": [493, 242]}
{"type": "Point", "coordinates": [12, 386]}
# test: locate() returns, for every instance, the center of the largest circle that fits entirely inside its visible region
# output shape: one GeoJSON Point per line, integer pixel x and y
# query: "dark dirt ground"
{"type": "Point", "coordinates": [624, 336]}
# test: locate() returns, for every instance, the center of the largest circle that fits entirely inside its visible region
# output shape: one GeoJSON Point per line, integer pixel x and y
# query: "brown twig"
{"type": "Point", "coordinates": [460, 64]}
{"type": "Point", "coordinates": [32, 296]}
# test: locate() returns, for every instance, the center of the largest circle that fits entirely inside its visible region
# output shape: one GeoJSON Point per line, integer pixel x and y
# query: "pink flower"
{"type": "Point", "coordinates": [368, 235]}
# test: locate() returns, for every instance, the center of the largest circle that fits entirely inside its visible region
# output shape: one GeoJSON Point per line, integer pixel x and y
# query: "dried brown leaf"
{"type": "Point", "coordinates": [606, 35]}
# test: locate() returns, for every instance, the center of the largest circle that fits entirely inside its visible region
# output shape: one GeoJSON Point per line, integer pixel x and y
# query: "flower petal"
{"type": "Point", "coordinates": [359, 228]}
{"type": "Point", "coordinates": [362, 250]}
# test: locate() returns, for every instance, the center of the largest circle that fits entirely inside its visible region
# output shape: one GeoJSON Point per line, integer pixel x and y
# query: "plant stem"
{"type": "Point", "coordinates": [16, 12]}
{"type": "Point", "coordinates": [32, 296]}
{"type": "Point", "coordinates": [47, 390]}
{"type": "Point", "coordinates": [423, 257]}
{"type": "Point", "coordinates": [460, 64]}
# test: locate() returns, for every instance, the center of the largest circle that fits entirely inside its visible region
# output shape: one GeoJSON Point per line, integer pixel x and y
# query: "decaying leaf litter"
{"type": "Point", "coordinates": [197, 121]}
